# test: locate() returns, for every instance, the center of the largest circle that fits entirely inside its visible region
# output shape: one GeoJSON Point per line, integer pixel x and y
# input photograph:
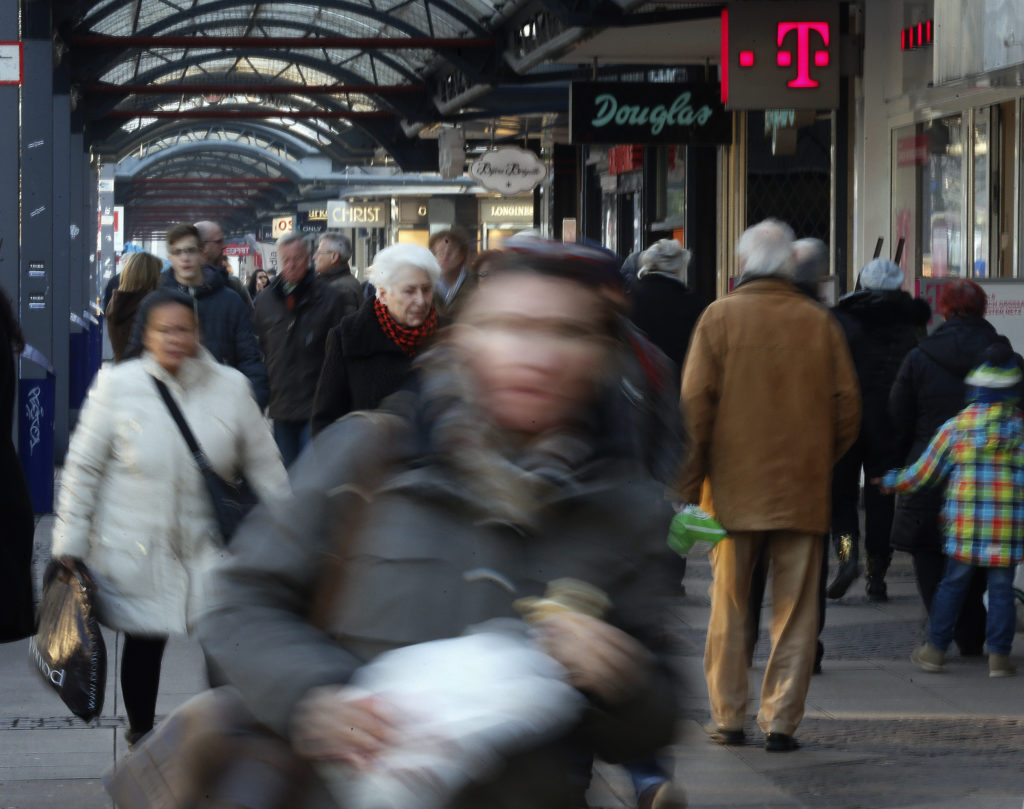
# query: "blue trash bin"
{"type": "Point", "coordinates": [36, 406]}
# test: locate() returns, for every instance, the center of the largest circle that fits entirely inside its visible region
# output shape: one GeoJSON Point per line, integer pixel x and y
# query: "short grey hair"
{"type": "Point", "coordinates": [389, 261]}
{"type": "Point", "coordinates": [765, 250]}
{"type": "Point", "coordinates": [337, 243]}
{"type": "Point", "coordinates": [811, 260]}
{"type": "Point", "coordinates": [294, 236]}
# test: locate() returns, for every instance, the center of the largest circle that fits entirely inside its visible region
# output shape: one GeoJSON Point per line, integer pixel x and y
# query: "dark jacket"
{"type": "Point", "coordinates": [929, 390]}
{"type": "Point", "coordinates": [430, 560]}
{"type": "Point", "coordinates": [120, 318]}
{"type": "Point", "coordinates": [881, 327]}
{"type": "Point", "coordinates": [231, 282]}
{"type": "Point", "coordinates": [666, 311]}
{"type": "Point", "coordinates": [226, 325]}
{"type": "Point", "coordinates": [341, 278]}
{"type": "Point", "coordinates": [293, 334]}
{"type": "Point", "coordinates": [17, 605]}
{"type": "Point", "coordinates": [362, 366]}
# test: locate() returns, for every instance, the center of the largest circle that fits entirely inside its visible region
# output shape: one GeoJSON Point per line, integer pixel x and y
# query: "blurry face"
{"type": "Point", "coordinates": [324, 258]}
{"type": "Point", "coordinates": [213, 246]}
{"type": "Point", "coordinates": [171, 336]}
{"type": "Point", "coordinates": [408, 296]}
{"type": "Point", "coordinates": [186, 260]}
{"type": "Point", "coordinates": [293, 259]}
{"type": "Point", "coordinates": [535, 347]}
{"type": "Point", "coordinates": [449, 255]}
{"type": "Point", "coordinates": [262, 279]}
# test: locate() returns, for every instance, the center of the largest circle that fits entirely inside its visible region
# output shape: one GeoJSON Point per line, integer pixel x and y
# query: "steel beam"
{"type": "Point", "coordinates": [96, 41]}
{"type": "Point", "coordinates": [105, 88]}
{"type": "Point", "coordinates": [208, 114]}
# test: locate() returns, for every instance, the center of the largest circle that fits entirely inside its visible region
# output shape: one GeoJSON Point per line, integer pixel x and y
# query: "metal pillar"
{"type": "Point", "coordinates": [9, 170]}
{"type": "Point", "coordinates": [107, 267]}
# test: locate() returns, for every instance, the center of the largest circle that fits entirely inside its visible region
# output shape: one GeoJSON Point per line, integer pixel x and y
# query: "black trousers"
{"type": "Point", "coordinates": [140, 678]}
{"type": "Point", "coordinates": [878, 508]}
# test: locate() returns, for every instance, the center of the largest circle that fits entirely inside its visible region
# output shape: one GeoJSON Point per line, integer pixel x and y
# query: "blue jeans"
{"type": "Point", "coordinates": [291, 437]}
{"type": "Point", "coordinates": [949, 598]}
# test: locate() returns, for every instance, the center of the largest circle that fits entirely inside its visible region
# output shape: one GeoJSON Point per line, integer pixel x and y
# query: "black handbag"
{"type": "Point", "coordinates": [232, 500]}
{"type": "Point", "coordinates": [68, 649]}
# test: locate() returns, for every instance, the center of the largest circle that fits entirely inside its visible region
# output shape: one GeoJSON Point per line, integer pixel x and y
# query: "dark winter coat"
{"type": "Point", "coordinates": [341, 278]}
{"type": "Point", "coordinates": [232, 282]}
{"type": "Point", "coordinates": [666, 311]}
{"type": "Point", "coordinates": [361, 367]}
{"type": "Point", "coordinates": [430, 560]}
{"type": "Point", "coordinates": [226, 325]}
{"type": "Point", "coordinates": [881, 327]}
{"type": "Point", "coordinates": [17, 607]}
{"type": "Point", "coordinates": [120, 316]}
{"type": "Point", "coordinates": [293, 335]}
{"type": "Point", "coordinates": [928, 391]}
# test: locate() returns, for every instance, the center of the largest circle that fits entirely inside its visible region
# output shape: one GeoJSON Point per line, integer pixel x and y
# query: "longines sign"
{"type": "Point", "coordinates": [638, 112]}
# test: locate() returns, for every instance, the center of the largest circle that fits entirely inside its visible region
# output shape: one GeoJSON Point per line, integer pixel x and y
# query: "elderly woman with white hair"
{"type": "Point", "coordinates": [369, 354]}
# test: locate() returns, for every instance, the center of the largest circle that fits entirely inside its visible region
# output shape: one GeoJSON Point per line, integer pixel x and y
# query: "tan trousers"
{"type": "Point", "coordinates": [795, 564]}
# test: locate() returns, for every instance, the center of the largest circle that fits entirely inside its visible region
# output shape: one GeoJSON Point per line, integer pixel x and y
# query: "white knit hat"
{"type": "Point", "coordinates": [880, 273]}
{"type": "Point", "coordinates": [667, 256]}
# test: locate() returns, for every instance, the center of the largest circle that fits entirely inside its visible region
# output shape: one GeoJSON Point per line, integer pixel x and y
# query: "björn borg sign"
{"type": "Point", "coordinates": [636, 112]}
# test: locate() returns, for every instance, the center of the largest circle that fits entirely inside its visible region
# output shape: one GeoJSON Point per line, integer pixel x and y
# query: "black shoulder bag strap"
{"type": "Point", "coordinates": [186, 431]}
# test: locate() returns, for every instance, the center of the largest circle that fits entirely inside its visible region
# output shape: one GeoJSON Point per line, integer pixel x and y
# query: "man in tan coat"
{"type": "Point", "coordinates": [771, 400]}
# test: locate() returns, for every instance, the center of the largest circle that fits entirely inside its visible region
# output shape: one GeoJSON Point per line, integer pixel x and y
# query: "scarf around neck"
{"type": "Point", "coordinates": [408, 340]}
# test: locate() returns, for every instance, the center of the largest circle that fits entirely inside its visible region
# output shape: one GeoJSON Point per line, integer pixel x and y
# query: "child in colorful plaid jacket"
{"type": "Point", "coordinates": [980, 452]}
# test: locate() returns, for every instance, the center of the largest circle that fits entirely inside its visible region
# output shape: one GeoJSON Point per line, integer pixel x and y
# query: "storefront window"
{"type": "Point", "coordinates": [929, 200]}
{"type": "Point", "coordinates": [982, 194]}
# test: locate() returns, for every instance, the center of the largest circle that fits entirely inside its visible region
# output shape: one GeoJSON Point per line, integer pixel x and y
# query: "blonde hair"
{"type": "Point", "coordinates": [140, 273]}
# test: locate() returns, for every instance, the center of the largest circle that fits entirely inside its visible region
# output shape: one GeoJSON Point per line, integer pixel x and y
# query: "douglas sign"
{"type": "Point", "coordinates": [614, 112]}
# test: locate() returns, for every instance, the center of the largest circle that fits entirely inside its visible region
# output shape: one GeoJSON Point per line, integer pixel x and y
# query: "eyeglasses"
{"type": "Point", "coordinates": [214, 241]}
{"type": "Point", "coordinates": [325, 253]}
{"type": "Point", "coordinates": [185, 251]}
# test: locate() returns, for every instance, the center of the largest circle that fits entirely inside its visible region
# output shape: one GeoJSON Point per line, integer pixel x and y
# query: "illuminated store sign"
{"type": "Point", "coordinates": [916, 36]}
{"type": "Point", "coordinates": [780, 55]}
{"type": "Point", "coordinates": [647, 113]}
{"type": "Point", "coordinates": [344, 214]}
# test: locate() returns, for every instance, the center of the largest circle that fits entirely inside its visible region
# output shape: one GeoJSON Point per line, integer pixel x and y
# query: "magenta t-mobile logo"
{"type": "Point", "coordinates": [805, 52]}
{"type": "Point", "coordinates": [784, 58]}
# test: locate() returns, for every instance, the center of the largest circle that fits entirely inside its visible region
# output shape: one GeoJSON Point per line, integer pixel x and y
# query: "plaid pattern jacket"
{"type": "Point", "coordinates": [981, 453]}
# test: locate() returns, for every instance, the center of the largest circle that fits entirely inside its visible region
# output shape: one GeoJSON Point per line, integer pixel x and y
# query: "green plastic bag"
{"type": "Point", "coordinates": [694, 531]}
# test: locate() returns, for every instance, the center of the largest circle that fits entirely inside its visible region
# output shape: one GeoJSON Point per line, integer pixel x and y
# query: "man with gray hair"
{"type": "Point", "coordinates": [330, 260]}
{"type": "Point", "coordinates": [292, 317]}
{"type": "Point", "coordinates": [771, 400]}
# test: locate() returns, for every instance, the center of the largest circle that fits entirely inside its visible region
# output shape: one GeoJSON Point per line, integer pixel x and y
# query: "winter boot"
{"type": "Point", "coordinates": [1000, 666]}
{"type": "Point", "coordinates": [876, 589]}
{"type": "Point", "coordinates": [846, 552]}
{"type": "Point", "coordinates": [928, 657]}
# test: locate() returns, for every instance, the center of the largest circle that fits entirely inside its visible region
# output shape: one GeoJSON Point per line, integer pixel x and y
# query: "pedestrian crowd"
{"type": "Point", "coordinates": [480, 455]}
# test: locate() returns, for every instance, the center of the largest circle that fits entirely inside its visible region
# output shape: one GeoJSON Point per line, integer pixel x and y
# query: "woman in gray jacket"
{"type": "Point", "coordinates": [512, 463]}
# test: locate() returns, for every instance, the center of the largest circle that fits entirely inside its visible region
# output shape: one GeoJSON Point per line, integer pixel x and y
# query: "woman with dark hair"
{"type": "Point", "coordinates": [257, 281]}
{"type": "Point", "coordinates": [139, 276]}
{"type": "Point", "coordinates": [133, 504]}
{"type": "Point", "coordinates": [17, 610]}
{"type": "Point", "coordinates": [510, 464]}
{"type": "Point", "coordinates": [930, 389]}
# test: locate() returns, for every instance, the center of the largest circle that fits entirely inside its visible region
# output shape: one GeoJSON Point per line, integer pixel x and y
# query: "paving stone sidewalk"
{"type": "Point", "coordinates": [878, 733]}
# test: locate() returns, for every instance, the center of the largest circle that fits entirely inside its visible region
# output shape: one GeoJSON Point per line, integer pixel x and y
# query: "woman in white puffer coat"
{"type": "Point", "coordinates": [133, 504]}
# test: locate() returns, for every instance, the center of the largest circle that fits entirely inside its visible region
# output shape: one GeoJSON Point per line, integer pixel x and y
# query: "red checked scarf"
{"type": "Point", "coordinates": [406, 339]}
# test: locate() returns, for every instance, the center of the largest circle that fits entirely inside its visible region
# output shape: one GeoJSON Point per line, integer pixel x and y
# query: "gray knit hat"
{"type": "Point", "coordinates": [666, 256]}
{"type": "Point", "coordinates": [881, 273]}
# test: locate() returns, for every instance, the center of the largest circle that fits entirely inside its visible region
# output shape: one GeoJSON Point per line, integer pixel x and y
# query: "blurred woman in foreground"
{"type": "Point", "coordinates": [133, 504]}
{"type": "Point", "coordinates": [370, 353]}
{"type": "Point", "coordinates": [505, 468]}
